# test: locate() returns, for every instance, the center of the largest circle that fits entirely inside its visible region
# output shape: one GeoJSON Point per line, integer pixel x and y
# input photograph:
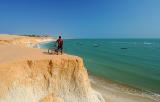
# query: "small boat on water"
{"type": "Point", "coordinates": [124, 48]}
{"type": "Point", "coordinates": [96, 45]}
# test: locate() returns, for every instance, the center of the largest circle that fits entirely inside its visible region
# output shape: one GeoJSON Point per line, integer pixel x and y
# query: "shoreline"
{"type": "Point", "coordinates": [111, 90]}
{"type": "Point", "coordinates": [121, 89]}
{"type": "Point", "coordinates": [36, 45]}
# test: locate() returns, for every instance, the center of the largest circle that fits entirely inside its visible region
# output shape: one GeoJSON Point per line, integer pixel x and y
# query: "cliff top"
{"type": "Point", "coordinates": [11, 51]}
{"type": "Point", "coordinates": [33, 75]}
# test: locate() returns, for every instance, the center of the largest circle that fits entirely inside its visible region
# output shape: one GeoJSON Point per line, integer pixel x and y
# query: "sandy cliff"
{"type": "Point", "coordinates": [23, 40]}
{"type": "Point", "coordinates": [31, 75]}
{"type": "Point", "coordinates": [62, 78]}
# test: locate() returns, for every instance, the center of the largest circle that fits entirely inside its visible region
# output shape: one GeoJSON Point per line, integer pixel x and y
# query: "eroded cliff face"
{"type": "Point", "coordinates": [54, 79]}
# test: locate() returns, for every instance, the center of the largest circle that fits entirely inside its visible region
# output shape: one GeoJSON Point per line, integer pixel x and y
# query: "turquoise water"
{"type": "Point", "coordinates": [134, 62]}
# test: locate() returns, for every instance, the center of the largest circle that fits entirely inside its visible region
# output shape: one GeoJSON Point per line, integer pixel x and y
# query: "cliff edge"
{"type": "Point", "coordinates": [31, 75]}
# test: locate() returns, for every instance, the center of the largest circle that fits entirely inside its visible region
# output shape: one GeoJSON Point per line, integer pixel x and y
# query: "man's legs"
{"type": "Point", "coordinates": [61, 50]}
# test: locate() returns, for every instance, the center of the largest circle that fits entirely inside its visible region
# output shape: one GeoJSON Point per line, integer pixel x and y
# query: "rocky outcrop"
{"type": "Point", "coordinates": [53, 79]}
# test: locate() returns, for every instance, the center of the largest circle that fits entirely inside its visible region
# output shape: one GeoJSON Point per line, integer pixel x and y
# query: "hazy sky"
{"type": "Point", "coordinates": [82, 18]}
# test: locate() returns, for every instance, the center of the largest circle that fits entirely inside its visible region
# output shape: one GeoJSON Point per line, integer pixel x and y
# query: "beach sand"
{"type": "Point", "coordinates": [115, 92]}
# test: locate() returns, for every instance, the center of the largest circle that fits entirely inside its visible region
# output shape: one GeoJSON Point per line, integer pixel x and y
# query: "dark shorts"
{"type": "Point", "coordinates": [60, 48]}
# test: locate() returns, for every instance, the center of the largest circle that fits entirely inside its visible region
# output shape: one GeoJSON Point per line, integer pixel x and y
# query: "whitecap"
{"type": "Point", "coordinates": [147, 43]}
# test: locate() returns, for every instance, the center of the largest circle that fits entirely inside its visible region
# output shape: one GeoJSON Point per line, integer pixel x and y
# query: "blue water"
{"type": "Point", "coordinates": [134, 62]}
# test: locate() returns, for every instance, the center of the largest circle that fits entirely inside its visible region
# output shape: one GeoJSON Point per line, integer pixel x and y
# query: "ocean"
{"type": "Point", "coordinates": [132, 62]}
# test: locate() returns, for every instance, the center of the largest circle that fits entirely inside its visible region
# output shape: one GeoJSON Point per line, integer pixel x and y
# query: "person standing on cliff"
{"type": "Point", "coordinates": [60, 44]}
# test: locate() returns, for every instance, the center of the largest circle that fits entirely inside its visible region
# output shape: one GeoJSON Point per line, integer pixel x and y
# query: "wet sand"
{"type": "Point", "coordinates": [114, 92]}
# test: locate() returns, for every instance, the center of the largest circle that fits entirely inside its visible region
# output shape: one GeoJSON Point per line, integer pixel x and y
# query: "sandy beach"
{"type": "Point", "coordinates": [115, 92]}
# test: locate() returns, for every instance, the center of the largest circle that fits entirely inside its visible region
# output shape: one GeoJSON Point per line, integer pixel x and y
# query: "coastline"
{"type": "Point", "coordinates": [31, 42]}
{"type": "Point", "coordinates": [111, 90]}
{"type": "Point", "coordinates": [116, 92]}
{"type": "Point", "coordinates": [31, 75]}
{"type": "Point", "coordinates": [36, 45]}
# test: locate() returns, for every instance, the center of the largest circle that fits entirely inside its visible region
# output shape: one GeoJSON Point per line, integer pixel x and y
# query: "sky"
{"type": "Point", "coordinates": [82, 18]}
